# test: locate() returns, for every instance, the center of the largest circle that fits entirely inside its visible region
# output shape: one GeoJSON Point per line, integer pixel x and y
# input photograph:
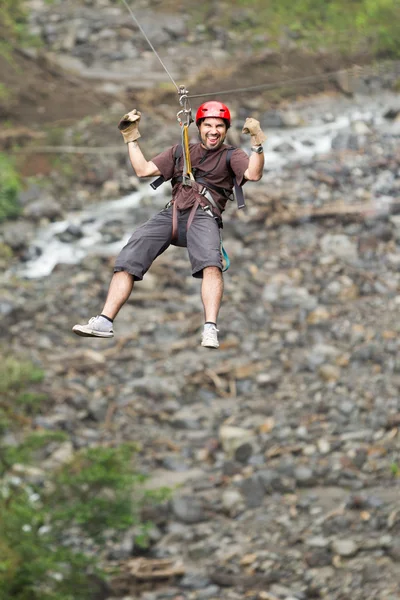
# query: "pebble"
{"type": "Point", "coordinates": [345, 548]}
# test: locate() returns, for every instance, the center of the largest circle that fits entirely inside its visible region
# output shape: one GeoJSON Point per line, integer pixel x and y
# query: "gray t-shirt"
{"type": "Point", "coordinates": [210, 164]}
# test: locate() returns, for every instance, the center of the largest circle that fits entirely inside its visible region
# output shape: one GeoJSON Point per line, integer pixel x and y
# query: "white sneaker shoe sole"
{"type": "Point", "coordinates": [213, 346]}
{"type": "Point", "coordinates": [85, 331]}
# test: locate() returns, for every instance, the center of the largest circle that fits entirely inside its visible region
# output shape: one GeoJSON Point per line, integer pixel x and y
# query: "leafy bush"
{"type": "Point", "coordinates": [95, 491]}
{"type": "Point", "coordinates": [15, 401]}
{"type": "Point", "coordinates": [13, 14]}
{"type": "Point", "coordinates": [33, 564]}
{"type": "Point", "coordinates": [12, 25]}
{"type": "Point", "coordinates": [10, 186]}
{"type": "Point", "coordinates": [16, 374]}
{"type": "Point", "coordinates": [92, 490]}
{"type": "Point", "coordinates": [30, 450]}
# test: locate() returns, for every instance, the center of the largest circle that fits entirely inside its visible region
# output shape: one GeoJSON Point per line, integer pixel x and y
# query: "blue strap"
{"type": "Point", "coordinates": [225, 258]}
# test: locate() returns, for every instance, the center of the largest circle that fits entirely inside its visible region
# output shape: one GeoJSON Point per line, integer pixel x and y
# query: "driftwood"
{"type": "Point", "coordinates": [297, 214]}
{"type": "Point", "coordinates": [155, 569]}
{"type": "Point", "coordinates": [223, 376]}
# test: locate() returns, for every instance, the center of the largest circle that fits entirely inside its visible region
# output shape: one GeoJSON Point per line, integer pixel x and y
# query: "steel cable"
{"type": "Point", "coordinates": [356, 70]}
{"type": "Point", "coordinates": [150, 44]}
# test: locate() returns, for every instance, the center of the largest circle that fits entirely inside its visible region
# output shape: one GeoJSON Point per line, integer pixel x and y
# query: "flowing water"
{"type": "Point", "coordinates": [325, 118]}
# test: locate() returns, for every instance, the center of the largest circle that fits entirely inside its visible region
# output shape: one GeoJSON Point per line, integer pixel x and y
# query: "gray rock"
{"type": "Point", "coordinates": [270, 480]}
{"type": "Point", "coordinates": [233, 437]}
{"type": "Point", "coordinates": [18, 235]}
{"type": "Point", "coordinates": [304, 476]}
{"type": "Point", "coordinates": [232, 502]}
{"type": "Point", "coordinates": [46, 208]}
{"type": "Point", "coordinates": [243, 453]}
{"type": "Point", "coordinates": [394, 551]}
{"type": "Point", "coordinates": [253, 491]}
{"type": "Point", "coordinates": [194, 581]}
{"type": "Point", "coordinates": [188, 509]}
{"type": "Point", "coordinates": [345, 548]}
{"type": "Point", "coordinates": [208, 593]}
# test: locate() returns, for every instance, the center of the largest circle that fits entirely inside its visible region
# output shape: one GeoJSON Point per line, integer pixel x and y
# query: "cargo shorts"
{"type": "Point", "coordinates": [202, 240]}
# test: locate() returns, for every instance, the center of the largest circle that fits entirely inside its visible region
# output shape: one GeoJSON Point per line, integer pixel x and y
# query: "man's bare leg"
{"type": "Point", "coordinates": [120, 289]}
{"type": "Point", "coordinates": [118, 293]}
{"type": "Point", "coordinates": [212, 289]}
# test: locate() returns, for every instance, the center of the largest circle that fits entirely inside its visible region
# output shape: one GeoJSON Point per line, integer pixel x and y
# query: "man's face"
{"type": "Point", "coordinates": [212, 132]}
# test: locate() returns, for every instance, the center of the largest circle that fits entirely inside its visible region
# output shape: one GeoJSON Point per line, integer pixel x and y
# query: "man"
{"type": "Point", "coordinates": [193, 217]}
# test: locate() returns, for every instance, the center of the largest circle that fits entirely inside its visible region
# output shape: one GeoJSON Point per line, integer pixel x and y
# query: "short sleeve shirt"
{"type": "Point", "coordinates": [210, 165]}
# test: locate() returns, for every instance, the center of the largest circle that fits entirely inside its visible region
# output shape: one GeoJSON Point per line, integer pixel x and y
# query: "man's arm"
{"type": "Point", "coordinates": [129, 127]}
{"type": "Point", "coordinates": [141, 166]}
{"type": "Point", "coordinates": [255, 169]}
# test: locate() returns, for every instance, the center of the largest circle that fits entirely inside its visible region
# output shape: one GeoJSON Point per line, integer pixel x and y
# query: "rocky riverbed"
{"type": "Point", "coordinates": [282, 447]}
{"type": "Point", "coordinates": [284, 444]}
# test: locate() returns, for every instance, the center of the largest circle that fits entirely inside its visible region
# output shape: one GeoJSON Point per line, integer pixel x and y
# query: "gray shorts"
{"type": "Point", "coordinates": [151, 239]}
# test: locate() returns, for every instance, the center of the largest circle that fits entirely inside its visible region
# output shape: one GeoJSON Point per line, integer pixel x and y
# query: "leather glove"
{"type": "Point", "coordinates": [252, 127]}
{"type": "Point", "coordinates": [129, 126]}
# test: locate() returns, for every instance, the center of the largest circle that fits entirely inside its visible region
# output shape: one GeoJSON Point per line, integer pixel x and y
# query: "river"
{"type": "Point", "coordinates": [322, 122]}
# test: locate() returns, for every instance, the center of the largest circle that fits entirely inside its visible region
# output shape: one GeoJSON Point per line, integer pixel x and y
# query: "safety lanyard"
{"type": "Point", "coordinates": [186, 111]}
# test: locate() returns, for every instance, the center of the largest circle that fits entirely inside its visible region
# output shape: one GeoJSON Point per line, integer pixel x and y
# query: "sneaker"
{"type": "Point", "coordinates": [209, 338]}
{"type": "Point", "coordinates": [96, 327]}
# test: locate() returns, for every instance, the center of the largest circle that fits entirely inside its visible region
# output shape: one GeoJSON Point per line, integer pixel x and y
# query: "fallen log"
{"type": "Point", "coordinates": [155, 569]}
{"type": "Point", "coordinates": [297, 214]}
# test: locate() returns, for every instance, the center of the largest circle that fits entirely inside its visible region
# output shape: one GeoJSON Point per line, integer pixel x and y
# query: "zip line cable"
{"type": "Point", "coordinates": [354, 71]}
{"type": "Point", "coordinates": [150, 44]}
{"type": "Point", "coordinates": [271, 86]}
{"type": "Point", "coordinates": [266, 86]}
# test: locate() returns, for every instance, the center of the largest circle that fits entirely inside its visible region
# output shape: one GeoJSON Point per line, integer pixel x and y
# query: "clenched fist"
{"type": "Point", "coordinates": [129, 126]}
{"type": "Point", "coordinates": [252, 126]}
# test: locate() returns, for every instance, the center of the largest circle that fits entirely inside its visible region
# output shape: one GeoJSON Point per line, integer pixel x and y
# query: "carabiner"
{"type": "Point", "coordinates": [186, 110]}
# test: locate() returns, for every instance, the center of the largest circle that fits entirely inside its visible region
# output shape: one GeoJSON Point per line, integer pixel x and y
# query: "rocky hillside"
{"type": "Point", "coordinates": [281, 450]}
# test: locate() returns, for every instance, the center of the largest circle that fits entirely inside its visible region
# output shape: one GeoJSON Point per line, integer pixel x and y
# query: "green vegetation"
{"type": "Point", "coordinates": [12, 16]}
{"type": "Point", "coordinates": [10, 186]}
{"type": "Point", "coordinates": [97, 490]}
{"type": "Point", "coordinates": [16, 402]}
{"type": "Point", "coordinates": [92, 490]}
{"type": "Point", "coordinates": [33, 564]}
{"type": "Point", "coordinates": [31, 450]}
{"type": "Point", "coordinates": [15, 375]}
{"type": "Point", "coordinates": [359, 25]}
{"type": "Point", "coordinates": [12, 25]}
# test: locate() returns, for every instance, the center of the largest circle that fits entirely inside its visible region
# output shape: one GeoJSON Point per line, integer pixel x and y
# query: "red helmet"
{"type": "Point", "coordinates": [213, 109]}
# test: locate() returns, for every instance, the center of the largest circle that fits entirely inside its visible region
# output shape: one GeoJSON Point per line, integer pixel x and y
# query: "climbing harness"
{"type": "Point", "coordinates": [203, 188]}
{"type": "Point", "coordinates": [197, 181]}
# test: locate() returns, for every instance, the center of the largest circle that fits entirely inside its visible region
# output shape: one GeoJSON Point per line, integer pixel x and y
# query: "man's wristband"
{"type": "Point", "coordinates": [257, 149]}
